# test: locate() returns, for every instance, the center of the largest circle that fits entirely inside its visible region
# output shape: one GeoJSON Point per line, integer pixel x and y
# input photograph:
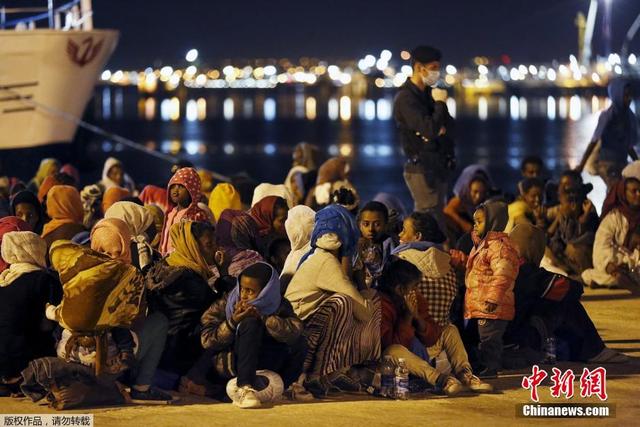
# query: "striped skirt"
{"type": "Point", "coordinates": [337, 340]}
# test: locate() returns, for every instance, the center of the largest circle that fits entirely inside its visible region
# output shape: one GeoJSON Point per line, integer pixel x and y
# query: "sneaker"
{"type": "Point", "coordinates": [246, 398]}
{"type": "Point", "coordinates": [474, 383]}
{"type": "Point", "coordinates": [152, 396]}
{"type": "Point", "coordinates": [297, 393]}
{"type": "Point", "coordinates": [452, 386]}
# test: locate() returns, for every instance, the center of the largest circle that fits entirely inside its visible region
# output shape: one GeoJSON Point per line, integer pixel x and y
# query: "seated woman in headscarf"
{"type": "Point", "coordinates": [265, 189]}
{"type": "Point", "coordinates": [305, 164]}
{"type": "Point", "coordinates": [113, 195]}
{"type": "Point", "coordinates": [114, 175]}
{"type": "Point", "coordinates": [25, 288]}
{"type": "Point", "coordinates": [182, 287]}
{"type": "Point", "coordinates": [142, 228]}
{"type": "Point", "coordinates": [470, 191]}
{"type": "Point", "coordinates": [613, 263]}
{"type": "Point", "coordinates": [8, 224]}
{"type": "Point", "coordinates": [548, 305]}
{"type": "Point", "coordinates": [342, 325]}
{"type": "Point", "coordinates": [64, 207]}
{"type": "Point", "coordinates": [572, 233]}
{"type": "Point", "coordinates": [26, 206]}
{"type": "Point", "coordinates": [47, 167]}
{"type": "Point", "coordinates": [153, 195]}
{"type": "Point", "coordinates": [528, 208]}
{"type": "Point", "coordinates": [158, 220]}
{"type": "Point", "coordinates": [299, 226]}
{"type": "Point", "coordinates": [224, 196]}
{"type": "Point", "coordinates": [50, 182]}
{"type": "Point", "coordinates": [184, 196]}
{"type": "Point", "coordinates": [91, 196]}
{"type": "Point", "coordinates": [237, 231]}
{"type": "Point", "coordinates": [331, 175]}
{"type": "Point", "coordinates": [103, 296]}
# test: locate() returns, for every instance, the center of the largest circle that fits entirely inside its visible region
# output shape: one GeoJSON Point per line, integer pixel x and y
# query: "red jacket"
{"type": "Point", "coordinates": [395, 329]}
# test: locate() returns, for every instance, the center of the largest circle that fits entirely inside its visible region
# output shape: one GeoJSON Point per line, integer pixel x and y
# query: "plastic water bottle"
{"type": "Point", "coordinates": [550, 351]}
{"type": "Point", "coordinates": [387, 377]}
{"type": "Point", "coordinates": [402, 380]}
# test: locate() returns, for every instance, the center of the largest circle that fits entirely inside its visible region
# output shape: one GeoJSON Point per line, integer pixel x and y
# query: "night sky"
{"type": "Point", "coordinates": [155, 32]}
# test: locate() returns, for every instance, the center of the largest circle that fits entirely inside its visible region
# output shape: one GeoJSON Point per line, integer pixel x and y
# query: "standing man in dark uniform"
{"type": "Point", "coordinates": [426, 133]}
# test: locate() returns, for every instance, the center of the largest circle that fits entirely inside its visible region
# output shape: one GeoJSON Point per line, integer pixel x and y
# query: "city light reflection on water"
{"type": "Point", "coordinates": [497, 131]}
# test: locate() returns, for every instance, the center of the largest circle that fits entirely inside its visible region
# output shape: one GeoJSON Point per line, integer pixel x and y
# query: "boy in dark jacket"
{"type": "Point", "coordinates": [253, 328]}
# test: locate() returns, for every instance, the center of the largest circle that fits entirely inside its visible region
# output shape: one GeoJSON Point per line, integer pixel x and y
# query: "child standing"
{"type": "Point", "coordinates": [184, 195]}
{"type": "Point", "coordinates": [491, 271]}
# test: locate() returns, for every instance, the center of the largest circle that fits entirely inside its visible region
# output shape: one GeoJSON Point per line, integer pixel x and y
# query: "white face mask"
{"type": "Point", "coordinates": [431, 78]}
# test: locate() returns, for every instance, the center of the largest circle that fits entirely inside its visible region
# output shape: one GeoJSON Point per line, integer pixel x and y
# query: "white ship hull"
{"type": "Point", "coordinates": [46, 75]}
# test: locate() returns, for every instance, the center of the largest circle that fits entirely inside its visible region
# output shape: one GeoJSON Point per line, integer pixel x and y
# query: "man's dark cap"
{"type": "Point", "coordinates": [425, 54]}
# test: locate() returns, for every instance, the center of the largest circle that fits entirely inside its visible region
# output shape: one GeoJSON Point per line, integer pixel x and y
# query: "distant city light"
{"type": "Point", "coordinates": [407, 70]}
{"type": "Point", "coordinates": [381, 64]}
{"type": "Point", "coordinates": [229, 148]}
{"type": "Point", "coordinates": [370, 71]}
{"type": "Point", "coordinates": [269, 149]}
{"type": "Point", "coordinates": [201, 80]}
{"type": "Point", "coordinates": [369, 61]}
{"type": "Point", "coordinates": [386, 55]}
{"type": "Point", "coordinates": [192, 55]}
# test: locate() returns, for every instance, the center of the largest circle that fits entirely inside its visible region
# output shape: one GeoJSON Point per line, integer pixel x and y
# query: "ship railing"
{"type": "Point", "coordinates": [74, 15]}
